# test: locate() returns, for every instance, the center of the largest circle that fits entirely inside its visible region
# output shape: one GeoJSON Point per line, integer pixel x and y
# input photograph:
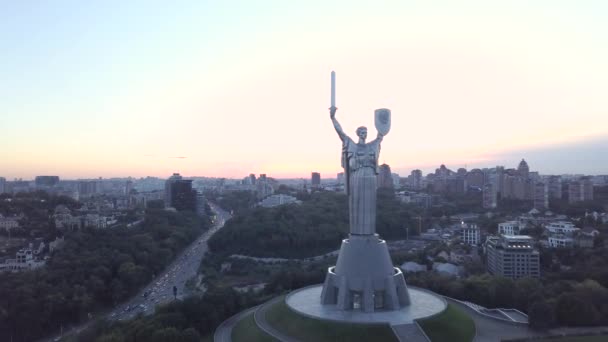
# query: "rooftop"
{"type": "Point", "coordinates": [517, 237]}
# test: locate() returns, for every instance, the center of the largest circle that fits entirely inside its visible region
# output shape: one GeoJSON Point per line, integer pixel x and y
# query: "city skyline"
{"type": "Point", "coordinates": [143, 88]}
{"type": "Point", "coordinates": [510, 159]}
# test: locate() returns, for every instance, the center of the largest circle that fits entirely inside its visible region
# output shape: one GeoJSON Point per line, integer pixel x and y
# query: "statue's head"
{"type": "Point", "coordinates": [362, 132]}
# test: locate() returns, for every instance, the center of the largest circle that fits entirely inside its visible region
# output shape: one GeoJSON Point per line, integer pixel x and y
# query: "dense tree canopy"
{"type": "Point", "coordinates": [94, 269]}
{"type": "Point", "coordinates": [180, 321]}
{"type": "Point", "coordinates": [234, 201]}
{"type": "Point", "coordinates": [561, 302]}
{"type": "Point", "coordinates": [314, 227]}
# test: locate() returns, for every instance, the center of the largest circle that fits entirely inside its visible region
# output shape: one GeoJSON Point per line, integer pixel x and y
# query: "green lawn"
{"type": "Point", "coordinates": [246, 330]}
{"type": "Point", "coordinates": [307, 329]}
{"type": "Point", "coordinates": [452, 325]}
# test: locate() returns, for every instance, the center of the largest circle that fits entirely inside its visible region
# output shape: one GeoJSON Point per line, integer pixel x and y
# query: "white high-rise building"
{"type": "Point", "coordinates": [340, 178]}
{"type": "Point", "coordinates": [489, 196]}
{"type": "Point", "coordinates": [416, 179]}
{"type": "Point", "coordinates": [541, 196]}
{"type": "Point", "coordinates": [470, 234]}
{"type": "Point", "coordinates": [396, 181]}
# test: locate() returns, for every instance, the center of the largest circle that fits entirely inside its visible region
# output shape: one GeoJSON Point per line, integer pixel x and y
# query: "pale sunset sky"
{"type": "Point", "coordinates": [121, 88]}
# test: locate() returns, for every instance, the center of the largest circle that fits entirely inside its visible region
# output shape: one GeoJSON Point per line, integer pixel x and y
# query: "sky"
{"type": "Point", "coordinates": [228, 88]}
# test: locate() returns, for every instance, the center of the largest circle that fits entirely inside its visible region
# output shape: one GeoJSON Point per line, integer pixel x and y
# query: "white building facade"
{"type": "Point", "coordinates": [470, 234]}
{"type": "Point", "coordinates": [509, 228]}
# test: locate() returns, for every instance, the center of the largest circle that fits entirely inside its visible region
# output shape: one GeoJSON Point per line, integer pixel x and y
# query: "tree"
{"type": "Point", "coordinates": [541, 315]}
{"type": "Point", "coordinates": [575, 309]}
{"type": "Point", "coordinates": [190, 335]}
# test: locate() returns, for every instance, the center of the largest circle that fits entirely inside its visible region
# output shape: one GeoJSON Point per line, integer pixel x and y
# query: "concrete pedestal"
{"type": "Point", "coordinates": [364, 277]}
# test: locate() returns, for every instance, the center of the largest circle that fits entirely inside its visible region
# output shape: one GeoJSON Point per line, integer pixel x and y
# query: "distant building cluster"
{"type": "Point", "coordinates": [263, 186]}
{"type": "Point", "coordinates": [90, 218]}
{"type": "Point", "coordinates": [126, 191]}
{"type": "Point", "coordinates": [501, 183]}
{"type": "Point", "coordinates": [513, 255]}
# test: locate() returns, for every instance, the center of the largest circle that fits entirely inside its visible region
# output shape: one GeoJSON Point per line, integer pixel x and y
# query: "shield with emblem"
{"type": "Point", "coordinates": [383, 120]}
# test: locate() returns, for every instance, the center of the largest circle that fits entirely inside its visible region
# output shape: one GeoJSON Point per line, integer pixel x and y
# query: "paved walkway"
{"type": "Point", "coordinates": [260, 321]}
{"type": "Point", "coordinates": [223, 333]}
{"type": "Point", "coordinates": [492, 330]}
{"type": "Point", "coordinates": [409, 333]}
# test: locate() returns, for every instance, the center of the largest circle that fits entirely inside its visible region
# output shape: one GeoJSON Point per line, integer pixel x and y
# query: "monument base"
{"type": "Point", "coordinates": [364, 277]}
{"type": "Point", "coordinates": [424, 304]}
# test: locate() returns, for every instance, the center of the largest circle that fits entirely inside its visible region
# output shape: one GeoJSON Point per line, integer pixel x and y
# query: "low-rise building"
{"type": "Point", "coordinates": [590, 231]}
{"type": "Point", "coordinates": [561, 227]}
{"type": "Point", "coordinates": [430, 234]}
{"type": "Point", "coordinates": [459, 256]}
{"type": "Point", "coordinates": [512, 256]}
{"type": "Point", "coordinates": [560, 241]}
{"type": "Point", "coordinates": [584, 241]}
{"type": "Point", "coordinates": [24, 260]}
{"type": "Point", "coordinates": [276, 200]}
{"type": "Point", "coordinates": [64, 219]}
{"type": "Point", "coordinates": [7, 223]}
{"type": "Point", "coordinates": [412, 267]}
{"type": "Point", "coordinates": [447, 268]}
{"type": "Point", "coordinates": [56, 244]}
{"type": "Point", "coordinates": [509, 228]}
{"type": "Point", "coordinates": [98, 221]}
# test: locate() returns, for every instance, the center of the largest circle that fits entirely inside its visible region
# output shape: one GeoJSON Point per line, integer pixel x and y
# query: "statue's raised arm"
{"type": "Point", "coordinates": [337, 127]}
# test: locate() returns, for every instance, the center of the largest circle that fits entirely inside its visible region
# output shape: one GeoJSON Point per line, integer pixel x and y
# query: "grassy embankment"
{"type": "Point", "coordinates": [452, 325]}
{"type": "Point", "coordinates": [246, 330]}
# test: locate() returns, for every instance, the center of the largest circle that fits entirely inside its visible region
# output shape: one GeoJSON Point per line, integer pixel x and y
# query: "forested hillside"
{"type": "Point", "coordinates": [314, 227]}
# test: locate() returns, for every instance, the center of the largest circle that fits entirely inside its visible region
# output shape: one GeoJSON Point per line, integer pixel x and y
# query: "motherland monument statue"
{"type": "Point", "coordinates": [364, 277]}
{"type": "Point", "coordinates": [363, 287]}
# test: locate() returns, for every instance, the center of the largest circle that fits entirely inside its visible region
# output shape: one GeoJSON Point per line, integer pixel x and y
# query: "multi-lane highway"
{"type": "Point", "coordinates": [183, 268]}
{"type": "Point", "coordinates": [160, 290]}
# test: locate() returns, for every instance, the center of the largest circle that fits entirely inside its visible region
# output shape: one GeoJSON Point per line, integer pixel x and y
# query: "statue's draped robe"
{"type": "Point", "coordinates": [360, 162]}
